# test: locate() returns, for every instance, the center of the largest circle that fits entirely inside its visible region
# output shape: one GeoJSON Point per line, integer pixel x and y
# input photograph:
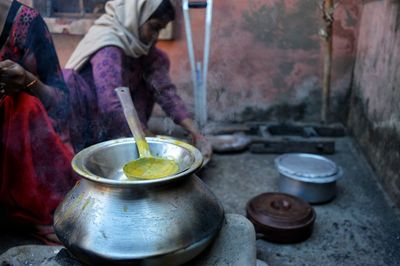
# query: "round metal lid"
{"type": "Point", "coordinates": [308, 167]}
{"type": "Point", "coordinates": [281, 217]}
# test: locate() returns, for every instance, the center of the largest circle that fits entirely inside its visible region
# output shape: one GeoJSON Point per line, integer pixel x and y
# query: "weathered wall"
{"type": "Point", "coordinates": [265, 59]}
{"type": "Point", "coordinates": [375, 110]}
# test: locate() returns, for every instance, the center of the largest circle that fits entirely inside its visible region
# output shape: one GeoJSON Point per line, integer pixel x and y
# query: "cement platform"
{"type": "Point", "coordinates": [234, 245]}
{"type": "Point", "coordinates": [359, 227]}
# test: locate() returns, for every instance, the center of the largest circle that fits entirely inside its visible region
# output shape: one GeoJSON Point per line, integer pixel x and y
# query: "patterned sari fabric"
{"type": "Point", "coordinates": [35, 171]}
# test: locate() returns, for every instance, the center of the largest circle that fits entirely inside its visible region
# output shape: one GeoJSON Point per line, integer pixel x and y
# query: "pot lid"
{"type": "Point", "coordinates": [308, 167]}
{"type": "Point", "coordinates": [281, 217]}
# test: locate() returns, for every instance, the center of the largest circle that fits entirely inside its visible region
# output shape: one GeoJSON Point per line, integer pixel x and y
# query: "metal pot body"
{"type": "Point", "coordinates": [114, 221]}
{"type": "Point", "coordinates": [308, 176]}
{"type": "Point", "coordinates": [310, 192]}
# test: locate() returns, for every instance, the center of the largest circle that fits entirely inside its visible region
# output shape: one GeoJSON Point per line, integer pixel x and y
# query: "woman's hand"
{"type": "Point", "coordinates": [201, 142]}
{"type": "Point", "coordinates": [198, 139]}
{"type": "Point", "coordinates": [13, 77]}
{"type": "Point", "coordinates": [148, 133]}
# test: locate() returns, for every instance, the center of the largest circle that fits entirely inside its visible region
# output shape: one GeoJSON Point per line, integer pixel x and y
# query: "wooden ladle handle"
{"type": "Point", "coordinates": [133, 120]}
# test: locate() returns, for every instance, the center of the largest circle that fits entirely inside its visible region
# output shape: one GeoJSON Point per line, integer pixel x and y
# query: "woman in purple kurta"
{"type": "Point", "coordinates": [109, 68]}
{"type": "Point", "coordinates": [104, 61]}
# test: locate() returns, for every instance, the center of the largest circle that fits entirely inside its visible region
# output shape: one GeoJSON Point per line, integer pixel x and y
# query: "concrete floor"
{"type": "Point", "coordinates": [359, 227]}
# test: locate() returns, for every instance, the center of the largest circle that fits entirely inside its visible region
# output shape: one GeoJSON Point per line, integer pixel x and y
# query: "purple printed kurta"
{"type": "Point", "coordinates": [95, 101]}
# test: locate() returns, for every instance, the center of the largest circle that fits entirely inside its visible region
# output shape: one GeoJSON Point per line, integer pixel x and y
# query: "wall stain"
{"type": "Point", "coordinates": [350, 20]}
{"type": "Point", "coordinates": [347, 34]}
{"type": "Point", "coordinates": [380, 144]}
{"type": "Point", "coordinates": [277, 27]}
{"type": "Point", "coordinates": [280, 112]}
{"type": "Point", "coordinates": [397, 16]}
{"type": "Point", "coordinates": [286, 68]}
{"type": "Point", "coordinates": [369, 1]}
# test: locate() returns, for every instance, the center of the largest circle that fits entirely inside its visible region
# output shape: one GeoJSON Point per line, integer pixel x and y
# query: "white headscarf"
{"type": "Point", "coordinates": [119, 26]}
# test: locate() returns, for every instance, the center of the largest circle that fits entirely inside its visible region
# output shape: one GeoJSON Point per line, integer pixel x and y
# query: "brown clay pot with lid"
{"type": "Point", "coordinates": [281, 218]}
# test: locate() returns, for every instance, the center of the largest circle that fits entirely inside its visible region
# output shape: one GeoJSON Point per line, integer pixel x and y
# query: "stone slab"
{"type": "Point", "coordinates": [29, 255]}
{"type": "Point", "coordinates": [234, 246]}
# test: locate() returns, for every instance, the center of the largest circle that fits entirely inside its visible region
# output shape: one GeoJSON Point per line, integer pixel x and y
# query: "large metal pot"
{"type": "Point", "coordinates": [109, 219]}
{"type": "Point", "coordinates": [308, 176]}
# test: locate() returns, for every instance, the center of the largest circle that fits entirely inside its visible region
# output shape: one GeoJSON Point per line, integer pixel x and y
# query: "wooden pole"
{"type": "Point", "coordinates": [326, 33]}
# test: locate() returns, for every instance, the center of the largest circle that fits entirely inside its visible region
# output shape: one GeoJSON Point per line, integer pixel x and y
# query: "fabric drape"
{"type": "Point", "coordinates": [35, 159]}
{"type": "Point", "coordinates": [119, 26]}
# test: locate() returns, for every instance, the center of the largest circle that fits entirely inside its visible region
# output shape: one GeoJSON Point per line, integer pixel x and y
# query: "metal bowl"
{"type": "Point", "coordinates": [103, 162]}
{"type": "Point", "coordinates": [109, 219]}
{"type": "Point", "coordinates": [229, 143]}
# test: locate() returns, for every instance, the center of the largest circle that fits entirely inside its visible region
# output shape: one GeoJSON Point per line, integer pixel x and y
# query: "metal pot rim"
{"type": "Point", "coordinates": [85, 173]}
{"type": "Point", "coordinates": [311, 178]}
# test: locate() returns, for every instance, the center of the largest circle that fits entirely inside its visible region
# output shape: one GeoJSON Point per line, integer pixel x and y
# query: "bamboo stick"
{"type": "Point", "coordinates": [326, 33]}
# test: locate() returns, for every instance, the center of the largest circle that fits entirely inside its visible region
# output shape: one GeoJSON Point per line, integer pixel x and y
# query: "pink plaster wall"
{"type": "Point", "coordinates": [378, 57]}
{"type": "Point", "coordinates": [375, 109]}
{"type": "Point", "coordinates": [265, 59]}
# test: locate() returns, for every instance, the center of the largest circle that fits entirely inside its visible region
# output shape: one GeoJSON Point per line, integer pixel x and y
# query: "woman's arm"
{"type": "Point", "coordinates": [198, 139]}
{"type": "Point", "coordinates": [156, 66]}
{"type": "Point", "coordinates": [156, 72]}
{"type": "Point", "coordinates": [42, 64]}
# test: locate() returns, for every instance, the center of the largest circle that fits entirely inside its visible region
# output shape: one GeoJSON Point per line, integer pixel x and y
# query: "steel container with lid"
{"type": "Point", "coordinates": [309, 176]}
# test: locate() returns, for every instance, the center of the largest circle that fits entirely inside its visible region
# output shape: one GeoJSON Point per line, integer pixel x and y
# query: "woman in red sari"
{"type": "Point", "coordinates": [35, 171]}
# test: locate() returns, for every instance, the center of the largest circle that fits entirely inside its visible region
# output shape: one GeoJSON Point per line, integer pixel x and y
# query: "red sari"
{"type": "Point", "coordinates": [35, 170]}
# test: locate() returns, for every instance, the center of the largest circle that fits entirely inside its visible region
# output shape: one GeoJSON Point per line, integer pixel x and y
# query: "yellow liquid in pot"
{"type": "Point", "coordinates": [150, 168]}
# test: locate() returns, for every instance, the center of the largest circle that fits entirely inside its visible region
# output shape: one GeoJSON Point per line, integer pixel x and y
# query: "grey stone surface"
{"type": "Point", "coordinates": [29, 255]}
{"type": "Point", "coordinates": [261, 263]}
{"type": "Point", "coordinates": [235, 245]}
{"type": "Point", "coordinates": [359, 227]}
